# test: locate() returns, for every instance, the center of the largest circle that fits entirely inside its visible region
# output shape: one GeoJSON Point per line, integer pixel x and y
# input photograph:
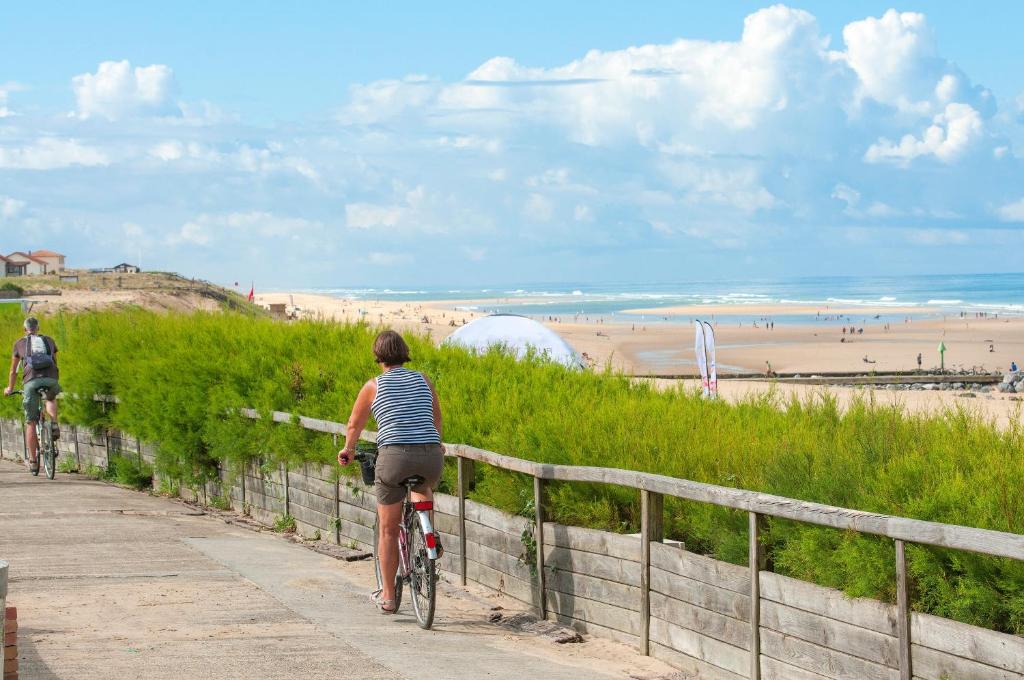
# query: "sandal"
{"type": "Point", "coordinates": [33, 466]}
{"type": "Point", "coordinates": [385, 606]}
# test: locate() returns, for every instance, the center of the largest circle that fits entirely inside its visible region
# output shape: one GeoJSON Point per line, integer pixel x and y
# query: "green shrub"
{"type": "Point", "coordinates": [285, 524]}
{"type": "Point", "coordinates": [180, 377]}
{"type": "Point", "coordinates": [130, 472]}
{"type": "Point", "coordinates": [220, 502]}
{"type": "Point", "coordinates": [9, 287]}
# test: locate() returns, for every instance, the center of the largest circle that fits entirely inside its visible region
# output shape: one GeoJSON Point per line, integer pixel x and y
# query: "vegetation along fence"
{"type": "Point", "coordinates": [705, 616]}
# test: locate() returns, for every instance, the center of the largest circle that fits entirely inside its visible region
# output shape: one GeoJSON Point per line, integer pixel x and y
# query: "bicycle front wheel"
{"type": "Point", "coordinates": [50, 461]}
{"type": "Point", "coordinates": [423, 577]}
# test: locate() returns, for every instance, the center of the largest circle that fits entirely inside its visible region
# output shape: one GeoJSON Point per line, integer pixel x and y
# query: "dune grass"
{"type": "Point", "coordinates": [179, 375]}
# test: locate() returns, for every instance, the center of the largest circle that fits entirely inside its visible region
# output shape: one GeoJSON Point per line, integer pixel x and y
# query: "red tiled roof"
{"type": "Point", "coordinates": [28, 257]}
{"type": "Point", "coordinates": [44, 253]}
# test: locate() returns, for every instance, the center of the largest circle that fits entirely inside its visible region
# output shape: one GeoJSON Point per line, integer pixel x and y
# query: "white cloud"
{"type": "Point", "coordinates": [471, 143]}
{"type": "Point", "coordinates": [117, 91]}
{"type": "Point", "coordinates": [702, 184]}
{"type": "Point", "coordinates": [848, 195]}
{"type": "Point", "coordinates": [368, 215]}
{"type": "Point", "coordinates": [538, 208]}
{"type": "Point", "coordinates": [385, 99]}
{"type": "Point", "coordinates": [10, 207]}
{"type": "Point", "coordinates": [879, 209]}
{"type": "Point", "coordinates": [888, 53]}
{"type": "Point", "coordinates": [48, 153]}
{"type": "Point", "coordinates": [170, 150]}
{"type": "Point", "coordinates": [245, 158]}
{"type": "Point", "coordinates": [714, 144]}
{"type": "Point", "coordinates": [937, 237]}
{"type": "Point", "coordinates": [240, 226]}
{"type": "Point", "coordinates": [950, 136]}
{"type": "Point", "coordinates": [5, 90]}
{"type": "Point", "coordinates": [390, 259]}
{"type": "Point", "coordinates": [1012, 212]}
{"type": "Point", "coordinates": [582, 213]}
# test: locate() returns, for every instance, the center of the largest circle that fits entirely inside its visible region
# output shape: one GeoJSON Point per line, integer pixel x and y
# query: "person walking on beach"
{"type": "Point", "coordinates": [919, 361]}
{"type": "Point", "coordinates": [37, 355]}
{"type": "Point", "coordinates": [408, 413]}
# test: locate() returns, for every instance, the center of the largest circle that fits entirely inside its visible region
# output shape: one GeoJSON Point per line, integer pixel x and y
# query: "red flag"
{"type": "Point", "coordinates": [252, 293]}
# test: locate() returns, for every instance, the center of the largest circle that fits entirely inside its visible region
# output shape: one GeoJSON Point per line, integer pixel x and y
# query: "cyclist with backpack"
{"type": "Point", "coordinates": [37, 355]}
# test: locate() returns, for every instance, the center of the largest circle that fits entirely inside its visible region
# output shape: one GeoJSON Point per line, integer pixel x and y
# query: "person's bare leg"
{"type": "Point", "coordinates": [51, 408]}
{"type": "Point", "coordinates": [32, 441]}
{"type": "Point", "coordinates": [388, 517]}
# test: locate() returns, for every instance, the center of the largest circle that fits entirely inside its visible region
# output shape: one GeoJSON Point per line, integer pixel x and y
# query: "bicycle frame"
{"type": "Point", "coordinates": [46, 450]}
{"type": "Point", "coordinates": [422, 511]}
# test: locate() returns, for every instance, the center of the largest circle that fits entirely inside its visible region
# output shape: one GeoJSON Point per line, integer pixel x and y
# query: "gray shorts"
{"type": "Point", "coordinates": [30, 396]}
{"type": "Point", "coordinates": [398, 462]}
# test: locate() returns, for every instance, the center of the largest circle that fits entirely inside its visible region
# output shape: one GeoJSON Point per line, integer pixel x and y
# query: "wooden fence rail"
{"type": "Point", "coordinates": [654, 488]}
{"type": "Point", "coordinates": [760, 644]}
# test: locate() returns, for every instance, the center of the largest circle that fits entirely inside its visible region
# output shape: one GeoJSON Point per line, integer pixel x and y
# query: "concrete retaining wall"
{"type": "Point", "coordinates": [700, 607]}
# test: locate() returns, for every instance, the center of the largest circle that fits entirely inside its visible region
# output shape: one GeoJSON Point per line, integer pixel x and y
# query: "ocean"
{"type": "Point", "coordinates": [926, 296]}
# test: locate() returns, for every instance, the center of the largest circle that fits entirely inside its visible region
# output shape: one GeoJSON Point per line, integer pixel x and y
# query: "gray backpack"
{"type": "Point", "coordinates": [38, 354]}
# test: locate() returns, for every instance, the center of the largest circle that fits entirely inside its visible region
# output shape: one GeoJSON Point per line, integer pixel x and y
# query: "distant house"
{"type": "Point", "coordinates": [125, 268]}
{"type": "Point", "coordinates": [23, 264]}
{"type": "Point", "coordinates": [54, 261]}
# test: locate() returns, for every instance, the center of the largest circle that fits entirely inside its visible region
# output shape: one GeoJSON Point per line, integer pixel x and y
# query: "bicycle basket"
{"type": "Point", "coordinates": [368, 463]}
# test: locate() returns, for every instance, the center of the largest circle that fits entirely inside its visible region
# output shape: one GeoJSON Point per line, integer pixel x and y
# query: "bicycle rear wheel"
{"type": "Point", "coordinates": [40, 447]}
{"type": "Point", "coordinates": [376, 565]}
{"type": "Point", "coordinates": [46, 448]}
{"type": "Point", "coordinates": [423, 577]}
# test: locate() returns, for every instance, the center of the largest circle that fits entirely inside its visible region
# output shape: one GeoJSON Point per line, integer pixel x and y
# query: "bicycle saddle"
{"type": "Point", "coordinates": [415, 480]}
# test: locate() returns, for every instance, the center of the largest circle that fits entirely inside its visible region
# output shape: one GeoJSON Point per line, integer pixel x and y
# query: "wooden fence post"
{"type": "Point", "coordinates": [756, 564]}
{"type": "Point", "coordinates": [538, 536]}
{"type": "Point", "coordinates": [78, 455]}
{"type": "Point", "coordinates": [287, 490]}
{"type": "Point", "coordinates": [466, 474]}
{"type": "Point", "coordinates": [903, 606]}
{"type": "Point", "coordinates": [337, 512]}
{"type": "Point", "coordinates": [652, 528]}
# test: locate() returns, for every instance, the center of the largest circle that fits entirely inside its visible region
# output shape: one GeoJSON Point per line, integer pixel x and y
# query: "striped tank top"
{"type": "Point", "coordinates": [404, 409]}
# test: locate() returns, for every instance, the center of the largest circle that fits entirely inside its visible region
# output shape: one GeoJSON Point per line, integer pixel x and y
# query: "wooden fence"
{"type": "Point", "coordinates": [707, 617]}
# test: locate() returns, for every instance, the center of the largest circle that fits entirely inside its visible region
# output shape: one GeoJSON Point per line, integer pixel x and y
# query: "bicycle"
{"type": "Point", "coordinates": [47, 446]}
{"type": "Point", "coordinates": [417, 547]}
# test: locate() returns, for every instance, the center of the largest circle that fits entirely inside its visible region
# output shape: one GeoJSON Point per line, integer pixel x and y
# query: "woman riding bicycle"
{"type": "Point", "coordinates": [404, 403]}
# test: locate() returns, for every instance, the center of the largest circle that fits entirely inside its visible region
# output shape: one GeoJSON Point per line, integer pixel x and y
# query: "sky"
{"type": "Point", "coordinates": [342, 145]}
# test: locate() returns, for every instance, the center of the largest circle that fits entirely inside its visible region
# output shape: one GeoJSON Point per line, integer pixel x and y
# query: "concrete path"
{"type": "Point", "coordinates": [111, 583]}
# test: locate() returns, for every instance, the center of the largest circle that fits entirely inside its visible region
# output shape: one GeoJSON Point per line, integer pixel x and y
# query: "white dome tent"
{"type": "Point", "coordinates": [519, 335]}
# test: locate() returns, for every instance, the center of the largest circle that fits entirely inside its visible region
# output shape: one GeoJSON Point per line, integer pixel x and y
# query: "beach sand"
{"type": "Point", "coordinates": [667, 348]}
{"type": "Point", "coordinates": [807, 348]}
